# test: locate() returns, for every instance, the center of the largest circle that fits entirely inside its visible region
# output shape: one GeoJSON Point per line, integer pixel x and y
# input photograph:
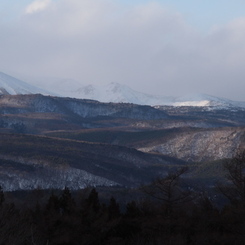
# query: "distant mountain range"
{"type": "Point", "coordinates": [56, 141]}
{"type": "Point", "coordinates": [113, 92]}
{"type": "Point", "coordinates": [118, 93]}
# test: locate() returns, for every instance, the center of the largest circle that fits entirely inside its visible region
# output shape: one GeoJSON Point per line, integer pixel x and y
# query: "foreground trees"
{"type": "Point", "coordinates": [169, 213]}
{"type": "Point", "coordinates": [169, 191]}
{"type": "Point", "coordinates": [64, 219]}
{"type": "Point", "coordinates": [234, 190]}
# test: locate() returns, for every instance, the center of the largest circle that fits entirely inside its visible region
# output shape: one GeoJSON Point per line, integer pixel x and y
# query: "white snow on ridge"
{"type": "Point", "coordinates": [118, 93]}
{"type": "Point", "coordinates": [203, 100]}
{"type": "Point", "coordinates": [192, 103]}
{"type": "Point", "coordinates": [207, 101]}
{"type": "Point", "coordinates": [13, 86]}
{"type": "Point", "coordinates": [112, 92]}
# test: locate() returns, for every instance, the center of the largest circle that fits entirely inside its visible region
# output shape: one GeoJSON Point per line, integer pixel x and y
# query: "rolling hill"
{"type": "Point", "coordinates": [28, 162]}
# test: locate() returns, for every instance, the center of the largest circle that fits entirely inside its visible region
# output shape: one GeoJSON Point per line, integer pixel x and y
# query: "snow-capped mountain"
{"type": "Point", "coordinates": [118, 93]}
{"type": "Point", "coordinates": [112, 92]}
{"type": "Point", "coordinates": [13, 86]}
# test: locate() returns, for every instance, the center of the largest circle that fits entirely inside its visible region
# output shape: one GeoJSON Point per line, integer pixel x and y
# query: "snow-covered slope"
{"type": "Point", "coordinates": [112, 92]}
{"type": "Point", "coordinates": [115, 92]}
{"type": "Point", "coordinates": [206, 100]}
{"type": "Point", "coordinates": [13, 86]}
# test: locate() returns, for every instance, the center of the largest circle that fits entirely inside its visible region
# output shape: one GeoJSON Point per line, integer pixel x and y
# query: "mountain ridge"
{"type": "Point", "coordinates": [29, 161]}
{"type": "Point", "coordinates": [120, 93]}
{"type": "Point", "coordinates": [120, 131]}
{"type": "Point", "coordinates": [113, 92]}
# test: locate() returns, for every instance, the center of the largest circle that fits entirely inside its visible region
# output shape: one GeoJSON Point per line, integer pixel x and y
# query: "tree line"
{"type": "Point", "coordinates": [169, 214]}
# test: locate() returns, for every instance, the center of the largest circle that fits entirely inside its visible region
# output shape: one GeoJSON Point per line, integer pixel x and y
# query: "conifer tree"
{"type": "Point", "coordinates": [2, 198]}
{"type": "Point", "coordinates": [67, 203]}
{"type": "Point", "coordinates": [93, 201]}
{"type": "Point", "coordinates": [53, 203]}
{"type": "Point", "coordinates": [113, 209]}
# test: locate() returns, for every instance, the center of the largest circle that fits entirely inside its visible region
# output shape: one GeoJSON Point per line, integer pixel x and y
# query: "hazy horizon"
{"type": "Point", "coordinates": [155, 47]}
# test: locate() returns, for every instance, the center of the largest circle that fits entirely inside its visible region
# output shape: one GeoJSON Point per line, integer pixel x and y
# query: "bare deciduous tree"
{"type": "Point", "coordinates": [168, 190]}
{"type": "Point", "coordinates": [234, 189]}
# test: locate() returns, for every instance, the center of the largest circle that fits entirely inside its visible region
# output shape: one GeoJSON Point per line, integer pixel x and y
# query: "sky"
{"type": "Point", "coordinates": [160, 47]}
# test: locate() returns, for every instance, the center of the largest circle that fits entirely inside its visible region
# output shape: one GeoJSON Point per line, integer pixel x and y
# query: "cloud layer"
{"type": "Point", "coordinates": [148, 47]}
{"type": "Point", "coordinates": [36, 6]}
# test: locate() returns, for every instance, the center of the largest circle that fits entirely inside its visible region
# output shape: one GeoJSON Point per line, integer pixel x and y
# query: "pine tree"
{"type": "Point", "coordinates": [132, 210]}
{"type": "Point", "coordinates": [2, 198]}
{"type": "Point", "coordinates": [53, 203]}
{"type": "Point", "coordinates": [67, 203]}
{"type": "Point", "coordinates": [92, 202]}
{"type": "Point", "coordinates": [113, 209]}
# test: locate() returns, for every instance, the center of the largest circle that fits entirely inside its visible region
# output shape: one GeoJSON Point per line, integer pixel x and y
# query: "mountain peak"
{"type": "Point", "coordinates": [114, 87]}
{"type": "Point", "coordinates": [119, 93]}
{"type": "Point", "coordinates": [11, 85]}
{"type": "Point", "coordinates": [112, 92]}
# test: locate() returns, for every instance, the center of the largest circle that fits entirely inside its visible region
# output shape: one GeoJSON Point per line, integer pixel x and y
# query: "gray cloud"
{"type": "Point", "coordinates": [147, 47]}
{"type": "Point", "coordinates": [37, 6]}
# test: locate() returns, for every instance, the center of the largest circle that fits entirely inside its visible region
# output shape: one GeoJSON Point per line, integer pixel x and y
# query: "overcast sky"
{"type": "Point", "coordinates": [160, 47]}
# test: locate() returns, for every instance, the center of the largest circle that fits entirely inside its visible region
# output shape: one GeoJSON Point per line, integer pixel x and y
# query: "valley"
{"type": "Point", "coordinates": [130, 139]}
{"type": "Point", "coordinates": [122, 122]}
{"type": "Point", "coordinates": [52, 142]}
{"type": "Point", "coordinates": [29, 162]}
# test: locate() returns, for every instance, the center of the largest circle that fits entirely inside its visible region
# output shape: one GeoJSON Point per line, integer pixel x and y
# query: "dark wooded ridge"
{"type": "Point", "coordinates": [173, 216]}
